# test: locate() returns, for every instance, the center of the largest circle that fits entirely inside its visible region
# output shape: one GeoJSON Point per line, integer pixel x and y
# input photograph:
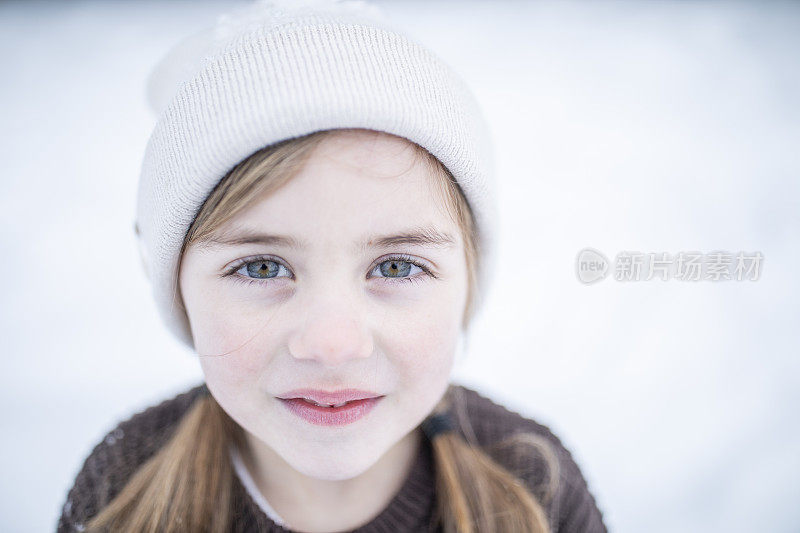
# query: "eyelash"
{"type": "Point", "coordinates": [232, 272]}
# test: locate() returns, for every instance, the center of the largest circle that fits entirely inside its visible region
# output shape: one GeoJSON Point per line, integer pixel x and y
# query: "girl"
{"type": "Point", "coordinates": [315, 218]}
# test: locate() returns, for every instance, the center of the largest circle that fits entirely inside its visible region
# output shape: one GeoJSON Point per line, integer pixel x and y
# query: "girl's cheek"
{"type": "Point", "coordinates": [237, 371]}
{"type": "Point", "coordinates": [428, 352]}
{"type": "Point", "coordinates": [235, 350]}
{"type": "Point", "coordinates": [222, 328]}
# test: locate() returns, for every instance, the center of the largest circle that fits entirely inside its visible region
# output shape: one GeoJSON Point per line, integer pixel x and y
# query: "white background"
{"type": "Point", "coordinates": [654, 127]}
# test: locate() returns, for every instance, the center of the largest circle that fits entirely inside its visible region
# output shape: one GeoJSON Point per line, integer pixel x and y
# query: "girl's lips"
{"type": "Point", "coordinates": [330, 416]}
{"type": "Point", "coordinates": [323, 397]}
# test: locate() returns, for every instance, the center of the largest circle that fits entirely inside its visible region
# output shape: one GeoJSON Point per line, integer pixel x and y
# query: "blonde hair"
{"type": "Point", "coordinates": [187, 485]}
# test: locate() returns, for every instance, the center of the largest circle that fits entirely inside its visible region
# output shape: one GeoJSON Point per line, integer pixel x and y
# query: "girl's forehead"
{"type": "Point", "coordinates": [354, 212]}
{"type": "Point", "coordinates": [339, 186]}
{"type": "Point", "coordinates": [371, 153]}
{"type": "Point", "coordinates": [347, 213]}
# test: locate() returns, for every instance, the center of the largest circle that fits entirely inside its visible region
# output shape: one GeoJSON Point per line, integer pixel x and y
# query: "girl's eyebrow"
{"type": "Point", "coordinates": [427, 236]}
{"type": "Point", "coordinates": [421, 236]}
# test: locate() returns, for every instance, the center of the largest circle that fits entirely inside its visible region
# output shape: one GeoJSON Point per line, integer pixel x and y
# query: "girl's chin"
{"type": "Point", "coordinates": [329, 465]}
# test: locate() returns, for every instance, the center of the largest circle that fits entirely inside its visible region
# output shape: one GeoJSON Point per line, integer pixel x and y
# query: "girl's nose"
{"type": "Point", "coordinates": [332, 336]}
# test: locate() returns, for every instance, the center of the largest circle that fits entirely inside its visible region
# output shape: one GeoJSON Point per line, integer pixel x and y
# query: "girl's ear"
{"type": "Point", "coordinates": [142, 251]}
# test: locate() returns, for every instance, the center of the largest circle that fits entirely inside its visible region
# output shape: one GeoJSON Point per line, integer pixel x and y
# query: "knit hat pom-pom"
{"type": "Point", "coordinates": [271, 13]}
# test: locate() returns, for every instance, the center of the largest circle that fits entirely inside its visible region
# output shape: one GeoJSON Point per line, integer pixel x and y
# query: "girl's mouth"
{"type": "Point", "coordinates": [330, 414]}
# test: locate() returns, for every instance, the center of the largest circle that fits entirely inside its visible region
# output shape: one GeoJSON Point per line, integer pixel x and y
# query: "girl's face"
{"type": "Point", "coordinates": [350, 276]}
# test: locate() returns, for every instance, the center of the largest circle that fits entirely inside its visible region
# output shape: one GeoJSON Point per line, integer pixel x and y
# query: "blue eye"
{"type": "Point", "coordinates": [262, 269]}
{"type": "Point", "coordinates": [398, 269]}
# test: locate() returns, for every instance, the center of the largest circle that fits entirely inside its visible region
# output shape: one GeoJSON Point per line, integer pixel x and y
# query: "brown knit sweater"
{"type": "Point", "coordinates": [132, 442]}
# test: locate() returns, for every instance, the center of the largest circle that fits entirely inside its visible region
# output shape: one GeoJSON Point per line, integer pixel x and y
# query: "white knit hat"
{"type": "Point", "coordinates": [282, 69]}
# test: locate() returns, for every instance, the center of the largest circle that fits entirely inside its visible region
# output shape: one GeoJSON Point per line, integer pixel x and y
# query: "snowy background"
{"type": "Point", "coordinates": [652, 126]}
